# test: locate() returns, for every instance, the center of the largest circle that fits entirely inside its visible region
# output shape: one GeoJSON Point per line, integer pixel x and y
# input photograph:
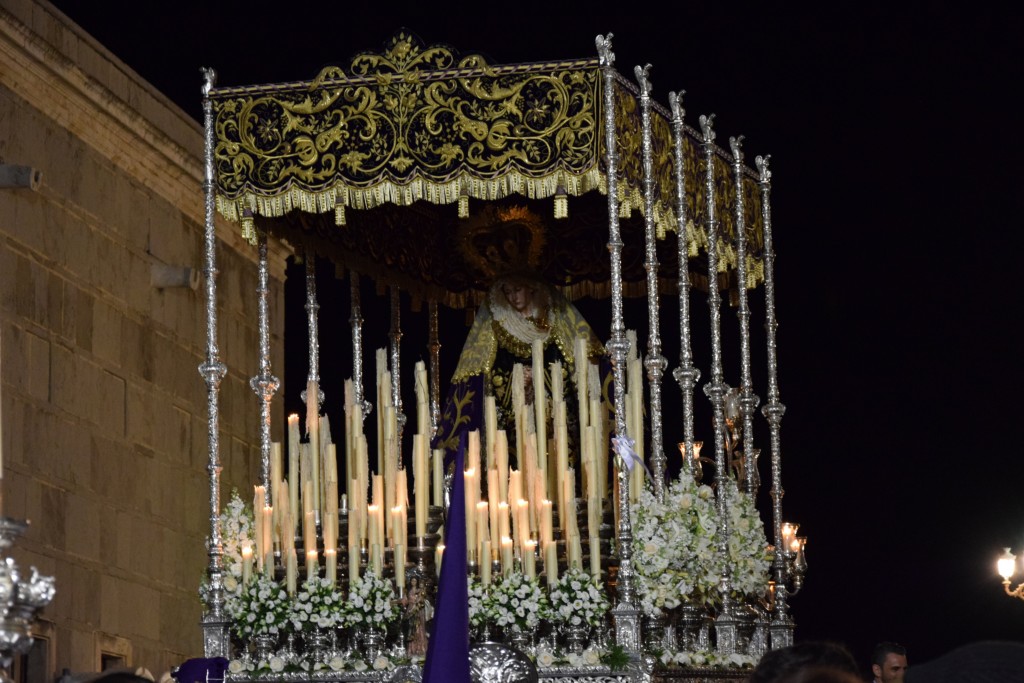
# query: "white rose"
{"type": "Point", "coordinates": [381, 663]}
{"type": "Point", "coordinates": [591, 657]}
{"type": "Point", "coordinates": [545, 658]}
{"type": "Point", "coordinates": [276, 664]}
{"type": "Point", "coordinates": [359, 665]}
{"type": "Point", "coordinates": [236, 666]}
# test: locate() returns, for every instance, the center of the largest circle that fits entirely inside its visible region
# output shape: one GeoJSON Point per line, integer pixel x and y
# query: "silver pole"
{"type": "Point", "coordinates": [215, 621]}
{"type": "Point", "coordinates": [396, 368]}
{"type": "Point", "coordinates": [686, 374]}
{"type": "Point", "coordinates": [782, 625]}
{"type": "Point", "coordinates": [356, 321]}
{"type": "Point", "coordinates": [435, 368]}
{"type": "Point", "coordinates": [625, 613]}
{"type": "Point", "coordinates": [264, 384]}
{"type": "Point", "coordinates": [748, 401]}
{"type": "Point", "coordinates": [725, 624]}
{"type": "Point", "coordinates": [312, 312]}
{"type": "Point", "coordinates": [655, 362]}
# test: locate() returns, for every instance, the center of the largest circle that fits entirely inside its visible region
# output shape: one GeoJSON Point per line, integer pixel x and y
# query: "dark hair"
{"type": "Point", "coordinates": [884, 649]}
{"type": "Point", "coordinates": [784, 663]}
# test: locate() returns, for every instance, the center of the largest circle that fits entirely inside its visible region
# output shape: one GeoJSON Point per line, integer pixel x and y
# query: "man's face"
{"type": "Point", "coordinates": [892, 670]}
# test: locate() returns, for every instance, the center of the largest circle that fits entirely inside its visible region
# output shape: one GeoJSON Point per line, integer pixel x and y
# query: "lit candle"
{"type": "Point", "coordinates": [331, 559]}
{"type": "Point", "coordinates": [312, 564]}
{"type": "Point", "coordinates": [246, 564]}
{"type": "Point", "coordinates": [788, 534]}
{"type": "Point", "coordinates": [438, 556]}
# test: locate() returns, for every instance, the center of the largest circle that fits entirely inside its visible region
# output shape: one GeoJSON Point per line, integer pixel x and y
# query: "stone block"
{"type": "Point", "coordinates": [81, 388]}
{"type": "Point", "coordinates": [139, 339]}
{"type": "Point", "coordinates": [179, 622]}
{"type": "Point", "coordinates": [140, 614]}
{"type": "Point", "coordinates": [107, 531]}
{"type": "Point", "coordinates": [139, 414]}
{"type": "Point", "coordinates": [83, 527]}
{"type": "Point", "coordinates": [53, 511]}
{"type": "Point", "coordinates": [85, 599]}
{"type": "Point", "coordinates": [110, 603]}
{"type": "Point", "coordinates": [84, 304]}
{"type": "Point", "coordinates": [106, 327]}
{"type": "Point", "coordinates": [26, 362]}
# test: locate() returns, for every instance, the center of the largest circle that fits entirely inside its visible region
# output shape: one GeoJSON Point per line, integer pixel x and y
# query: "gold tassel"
{"type": "Point", "coordinates": [463, 204]}
{"type": "Point", "coordinates": [248, 228]}
{"type": "Point", "coordinates": [561, 203]}
{"type": "Point", "coordinates": [339, 214]}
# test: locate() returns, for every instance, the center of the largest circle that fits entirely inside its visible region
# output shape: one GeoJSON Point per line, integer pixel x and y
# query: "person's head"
{"type": "Point", "coordinates": [889, 662]}
{"type": "Point", "coordinates": [789, 663]}
{"type": "Point", "coordinates": [519, 294]}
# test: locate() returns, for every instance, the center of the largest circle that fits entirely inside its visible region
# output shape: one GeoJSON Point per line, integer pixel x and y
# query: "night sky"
{"type": "Point", "coordinates": [897, 215]}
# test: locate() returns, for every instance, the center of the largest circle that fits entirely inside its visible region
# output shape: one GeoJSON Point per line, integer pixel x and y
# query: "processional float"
{"type": "Point", "coordinates": [413, 167]}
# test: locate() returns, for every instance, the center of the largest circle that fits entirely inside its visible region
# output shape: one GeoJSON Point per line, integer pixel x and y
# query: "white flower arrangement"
{"type": "Point", "coordinates": [371, 601]}
{"type": "Point", "coordinates": [592, 656]}
{"type": "Point", "coordinates": [518, 603]}
{"type": "Point", "coordinates": [318, 604]}
{"type": "Point", "coordinates": [237, 531]}
{"type": "Point", "coordinates": [576, 599]}
{"type": "Point", "coordinates": [709, 660]}
{"type": "Point", "coordinates": [674, 545]}
{"type": "Point", "coordinates": [748, 556]}
{"type": "Point", "coordinates": [264, 608]}
{"type": "Point", "coordinates": [480, 608]}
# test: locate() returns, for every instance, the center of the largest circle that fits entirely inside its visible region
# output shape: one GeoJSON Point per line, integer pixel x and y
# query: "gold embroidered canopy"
{"type": "Point", "coordinates": [434, 172]}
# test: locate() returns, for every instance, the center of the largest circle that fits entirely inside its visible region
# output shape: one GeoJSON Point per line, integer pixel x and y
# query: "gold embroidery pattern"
{"type": "Point", "coordinates": [418, 123]}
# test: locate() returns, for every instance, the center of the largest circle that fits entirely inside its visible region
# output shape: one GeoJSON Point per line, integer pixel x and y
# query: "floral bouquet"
{"type": "Point", "coordinates": [236, 523]}
{"type": "Point", "coordinates": [481, 608]}
{"type": "Point", "coordinates": [318, 604]}
{"type": "Point", "coordinates": [674, 545]}
{"type": "Point", "coordinates": [748, 557]}
{"type": "Point", "coordinates": [371, 602]}
{"type": "Point", "coordinates": [518, 603]}
{"type": "Point", "coordinates": [262, 609]}
{"type": "Point", "coordinates": [577, 600]}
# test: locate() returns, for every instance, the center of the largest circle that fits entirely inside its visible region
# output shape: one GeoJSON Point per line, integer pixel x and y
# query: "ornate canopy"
{"type": "Point", "coordinates": [434, 172]}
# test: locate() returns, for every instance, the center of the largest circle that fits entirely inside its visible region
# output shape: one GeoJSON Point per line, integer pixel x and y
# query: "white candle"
{"type": "Point", "coordinates": [331, 558]}
{"type": "Point", "coordinates": [291, 570]}
{"type": "Point", "coordinates": [438, 556]}
{"type": "Point", "coordinates": [353, 563]}
{"type": "Point", "coordinates": [506, 556]}
{"type": "Point", "coordinates": [400, 566]}
{"type": "Point", "coordinates": [485, 563]}
{"type": "Point", "coordinates": [293, 464]}
{"type": "Point", "coordinates": [437, 462]}
{"type": "Point", "coordinates": [595, 557]}
{"type": "Point", "coordinates": [246, 564]}
{"type": "Point", "coordinates": [551, 563]}
{"type": "Point", "coordinates": [529, 559]}
{"type": "Point", "coordinates": [540, 405]}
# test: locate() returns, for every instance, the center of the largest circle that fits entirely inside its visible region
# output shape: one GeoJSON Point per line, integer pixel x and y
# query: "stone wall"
{"type": "Point", "coordinates": [104, 412]}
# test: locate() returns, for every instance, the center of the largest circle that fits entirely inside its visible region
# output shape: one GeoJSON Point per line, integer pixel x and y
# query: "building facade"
{"type": "Point", "coordinates": [104, 413]}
